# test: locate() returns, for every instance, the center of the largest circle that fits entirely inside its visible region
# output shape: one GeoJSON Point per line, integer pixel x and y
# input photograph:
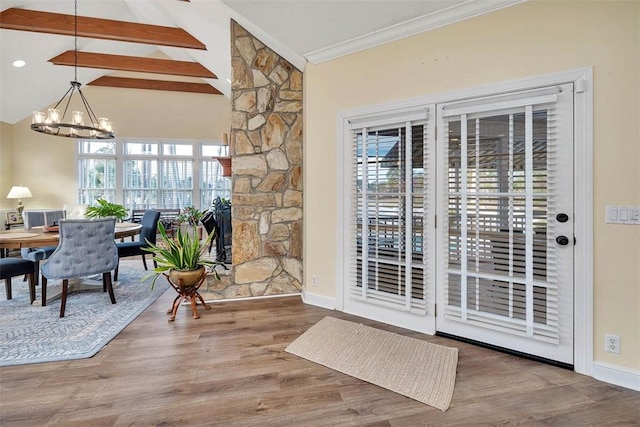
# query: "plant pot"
{"type": "Point", "coordinates": [185, 279]}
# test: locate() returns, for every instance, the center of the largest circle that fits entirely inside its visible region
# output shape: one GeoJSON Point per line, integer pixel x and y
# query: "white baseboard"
{"type": "Point", "coordinates": [319, 300]}
{"type": "Point", "coordinates": [617, 375]}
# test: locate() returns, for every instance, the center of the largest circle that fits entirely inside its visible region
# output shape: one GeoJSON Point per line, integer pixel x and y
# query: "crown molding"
{"type": "Point", "coordinates": [466, 10]}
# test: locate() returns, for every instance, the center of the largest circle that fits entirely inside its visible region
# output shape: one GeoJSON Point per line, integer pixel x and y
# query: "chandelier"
{"type": "Point", "coordinates": [81, 124]}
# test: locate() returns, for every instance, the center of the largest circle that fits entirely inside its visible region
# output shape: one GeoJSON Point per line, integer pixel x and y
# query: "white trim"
{"type": "Point", "coordinates": [465, 10]}
{"type": "Point", "coordinates": [583, 186]}
{"type": "Point", "coordinates": [617, 375]}
{"type": "Point", "coordinates": [319, 301]}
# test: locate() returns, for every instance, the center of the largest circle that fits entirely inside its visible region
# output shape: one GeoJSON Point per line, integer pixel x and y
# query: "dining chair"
{"type": "Point", "coordinates": [11, 267]}
{"type": "Point", "coordinates": [147, 233]}
{"type": "Point", "coordinates": [86, 247]}
{"type": "Point", "coordinates": [36, 218]}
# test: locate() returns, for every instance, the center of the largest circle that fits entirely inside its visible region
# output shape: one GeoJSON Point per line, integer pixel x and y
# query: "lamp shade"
{"type": "Point", "coordinates": [19, 192]}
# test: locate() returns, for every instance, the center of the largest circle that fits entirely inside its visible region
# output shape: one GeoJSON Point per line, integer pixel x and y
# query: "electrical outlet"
{"type": "Point", "coordinates": [612, 343]}
{"type": "Point", "coordinates": [314, 280]}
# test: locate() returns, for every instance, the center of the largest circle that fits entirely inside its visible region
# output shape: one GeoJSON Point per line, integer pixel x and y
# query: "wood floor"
{"type": "Point", "coordinates": [229, 368]}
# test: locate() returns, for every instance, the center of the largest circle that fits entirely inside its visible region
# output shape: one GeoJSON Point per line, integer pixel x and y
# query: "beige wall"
{"type": "Point", "coordinates": [6, 166]}
{"type": "Point", "coordinates": [46, 164]}
{"type": "Point", "coordinates": [529, 39]}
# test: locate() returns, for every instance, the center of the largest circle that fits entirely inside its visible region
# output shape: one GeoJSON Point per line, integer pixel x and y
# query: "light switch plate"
{"type": "Point", "coordinates": [622, 215]}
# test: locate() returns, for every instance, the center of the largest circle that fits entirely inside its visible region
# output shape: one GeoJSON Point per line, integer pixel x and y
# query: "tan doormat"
{"type": "Point", "coordinates": [414, 368]}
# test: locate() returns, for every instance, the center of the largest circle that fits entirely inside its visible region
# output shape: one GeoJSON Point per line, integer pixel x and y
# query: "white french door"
{"type": "Point", "coordinates": [459, 216]}
{"type": "Point", "coordinates": [505, 229]}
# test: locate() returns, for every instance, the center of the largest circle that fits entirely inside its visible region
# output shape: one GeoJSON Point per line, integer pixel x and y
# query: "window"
{"type": "Point", "coordinates": [144, 174]}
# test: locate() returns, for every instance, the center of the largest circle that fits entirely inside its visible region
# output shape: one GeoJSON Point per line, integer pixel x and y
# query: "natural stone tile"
{"type": "Point", "coordinates": [273, 132]}
{"type": "Point", "coordinates": [258, 44]}
{"type": "Point", "coordinates": [278, 232]}
{"type": "Point", "coordinates": [292, 198]}
{"type": "Point", "coordinates": [288, 106]}
{"type": "Point", "coordinates": [294, 151]}
{"type": "Point", "coordinates": [272, 182]}
{"type": "Point", "coordinates": [279, 75]}
{"type": "Point", "coordinates": [293, 267]}
{"type": "Point", "coordinates": [241, 75]}
{"type": "Point", "coordinates": [249, 165]}
{"type": "Point", "coordinates": [244, 213]}
{"type": "Point", "coordinates": [245, 101]}
{"type": "Point", "coordinates": [257, 270]}
{"type": "Point", "coordinates": [295, 132]}
{"type": "Point", "coordinates": [286, 214]}
{"type": "Point", "coordinates": [266, 99]}
{"type": "Point", "coordinates": [241, 185]}
{"type": "Point", "coordinates": [259, 79]}
{"type": "Point", "coordinates": [257, 289]}
{"type": "Point", "coordinates": [246, 49]}
{"type": "Point", "coordinates": [295, 178]}
{"type": "Point", "coordinates": [265, 222]}
{"type": "Point", "coordinates": [237, 291]}
{"type": "Point", "coordinates": [256, 121]}
{"type": "Point", "coordinates": [295, 250]}
{"type": "Point", "coordinates": [295, 80]}
{"type": "Point", "coordinates": [238, 120]}
{"type": "Point", "coordinates": [277, 197]}
{"type": "Point", "coordinates": [242, 144]}
{"type": "Point", "coordinates": [254, 200]}
{"type": "Point", "coordinates": [265, 61]}
{"type": "Point", "coordinates": [276, 159]}
{"type": "Point", "coordinates": [281, 286]}
{"type": "Point", "coordinates": [256, 140]}
{"type": "Point", "coordinates": [273, 249]}
{"type": "Point", "coordinates": [237, 30]}
{"type": "Point", "coordinates": [290, 95]}
{"type": "Point", "coordinates": [245, 234]}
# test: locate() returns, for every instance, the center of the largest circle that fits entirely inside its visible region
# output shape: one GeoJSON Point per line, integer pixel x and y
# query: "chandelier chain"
{"type": "Point", "coordinates": [75, 40]}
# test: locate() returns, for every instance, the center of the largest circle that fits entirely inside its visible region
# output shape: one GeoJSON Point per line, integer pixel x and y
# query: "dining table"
{"type": "Point", "coordinates": [46, 236]}
{"type": "Point", "coordinates": [35, 237]}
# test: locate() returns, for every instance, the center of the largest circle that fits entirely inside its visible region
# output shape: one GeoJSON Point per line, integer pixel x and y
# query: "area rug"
{"type": "Point", "coordinates": [35, 334]}
{"type": "Point", "coordinates": [414, 368]}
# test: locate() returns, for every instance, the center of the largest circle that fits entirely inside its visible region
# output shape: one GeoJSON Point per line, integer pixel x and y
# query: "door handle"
{"type": "Point", "coordinates": [562, 240]}
{"type": "Point", "coordinates": [562, 217]}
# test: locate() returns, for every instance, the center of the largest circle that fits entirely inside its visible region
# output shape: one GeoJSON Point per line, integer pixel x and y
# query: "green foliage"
{"type": "Point", "coordinates": [184, 252]}
{"type": "Point", "coordinates": [189, 215]}
{"type": "Point", "coordinates": [105, 209]}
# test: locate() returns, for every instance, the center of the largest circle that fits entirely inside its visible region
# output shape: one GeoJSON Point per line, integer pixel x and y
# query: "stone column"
{"type": "Point", "coordinates": [266, 149]}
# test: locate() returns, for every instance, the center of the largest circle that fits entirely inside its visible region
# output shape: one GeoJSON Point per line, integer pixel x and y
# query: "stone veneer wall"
{"type": "Point", "coordinates": [266, 149]}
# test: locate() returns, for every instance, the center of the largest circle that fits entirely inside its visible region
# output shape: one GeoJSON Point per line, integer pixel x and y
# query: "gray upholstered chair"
{"type": "Point", "coordinates": [86, 247]}
{"type": "Point", "coordinates": [36, 218]}
{"type": "Point", "coordinates": [11, 267]}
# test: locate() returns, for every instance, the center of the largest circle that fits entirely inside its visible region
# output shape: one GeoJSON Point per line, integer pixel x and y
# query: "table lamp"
{"type": "Point", "coordinates": [19, 192]}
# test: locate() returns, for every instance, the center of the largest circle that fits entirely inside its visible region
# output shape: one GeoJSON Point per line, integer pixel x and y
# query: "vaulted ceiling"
{"type": "Point", "coordinates": [180, 45]}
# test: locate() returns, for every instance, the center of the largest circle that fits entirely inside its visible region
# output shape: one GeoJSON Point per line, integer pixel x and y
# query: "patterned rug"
{"type": "Point", "coordinates": [35, 334]}
{"type": "Point", "coordinates": [414, 368]}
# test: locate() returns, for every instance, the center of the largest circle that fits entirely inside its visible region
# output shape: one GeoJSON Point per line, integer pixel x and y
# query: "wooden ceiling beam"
{"type": "Point", "coordinates": [133, 63]}
{"type": "Point", "coordinates": [131, 83]}
{"type": "Point", "coordinates": [58, 23]}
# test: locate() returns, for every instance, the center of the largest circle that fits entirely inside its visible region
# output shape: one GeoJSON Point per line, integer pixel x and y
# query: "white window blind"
{"type": "Point", "coordinates": [501, 168]}
{"type": "Point", "coordinates": [389, 203]}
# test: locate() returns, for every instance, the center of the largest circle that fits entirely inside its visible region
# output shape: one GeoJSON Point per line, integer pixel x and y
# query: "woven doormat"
{"type": "Point", "coordinates": [414, 368]}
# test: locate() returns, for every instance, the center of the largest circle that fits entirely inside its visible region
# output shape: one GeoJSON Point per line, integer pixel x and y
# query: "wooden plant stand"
{"type": "Point", "coordinates": [187, 293]}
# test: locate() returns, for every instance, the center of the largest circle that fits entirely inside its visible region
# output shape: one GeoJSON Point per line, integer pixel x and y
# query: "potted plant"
{"type": "Point", "coordinates": [181, 258]}
{"type": "Point", "coordinates": [189, 218]}
{"type": "Point", "coordinates": [105, 208]}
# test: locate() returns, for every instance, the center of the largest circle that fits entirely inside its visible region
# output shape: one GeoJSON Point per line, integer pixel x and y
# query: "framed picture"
{"type": "Point", "coordinates": [12, 217]}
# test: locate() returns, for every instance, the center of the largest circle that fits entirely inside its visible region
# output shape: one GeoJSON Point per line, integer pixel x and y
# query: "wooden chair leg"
{"type": "Point", "coordinates": [7, 287]}
{"type": "Point", "coordinates": [115, 274]}
{"type": "Point", "coordinates": [63, 299]}
{"type": "Point", "coordinates": [144, 262]}
{"type": "Point", "coordinates": [32, 287]}
{"type": "Point", "coordinates": [106, 280]}
{"type": "Point", "coordinates": [44, 291]}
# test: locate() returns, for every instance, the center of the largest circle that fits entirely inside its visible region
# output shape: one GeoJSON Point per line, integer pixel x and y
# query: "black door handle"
{"type": "Point", "coordinates": [562, 240]}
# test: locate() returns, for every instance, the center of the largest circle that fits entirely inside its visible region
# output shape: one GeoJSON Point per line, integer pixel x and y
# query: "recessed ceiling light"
{"type": "Point", "coordinates": [18, 63]}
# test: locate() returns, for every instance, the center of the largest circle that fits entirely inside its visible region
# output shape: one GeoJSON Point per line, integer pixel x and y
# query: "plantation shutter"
{"type": "Point", "coordinates": [499, 177]}
{"type": "Point", "coordinates": [390, 200]}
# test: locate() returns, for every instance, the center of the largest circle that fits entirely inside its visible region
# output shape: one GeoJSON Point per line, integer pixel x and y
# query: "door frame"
{"type": "Point", "coordinates": [582, 78]}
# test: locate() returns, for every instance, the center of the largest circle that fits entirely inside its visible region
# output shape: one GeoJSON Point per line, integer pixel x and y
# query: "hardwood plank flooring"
{"type": "Point", "coordinates": [229, 368]}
